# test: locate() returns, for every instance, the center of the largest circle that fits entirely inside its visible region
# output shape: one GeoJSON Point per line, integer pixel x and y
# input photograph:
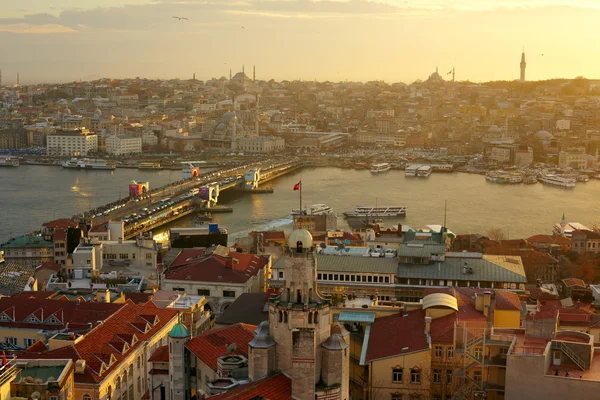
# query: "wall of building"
{"type": "Point", "coordinates": [381, 383]}
{"type": "Point", "coordinates": [507, 319]}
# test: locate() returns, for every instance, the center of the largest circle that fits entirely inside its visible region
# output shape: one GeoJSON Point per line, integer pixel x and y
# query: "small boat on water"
{"type": "Point", "coordinates": [315, 209]}
{"type": "Point", "coordinates": [556, 180]}
{"type": "Point", "coordinates": [8, 161]}
{"type": "Point", "coordinates": [583, 178]}
{"type": "Point", "coordinates": [424, 171]}
{"type": "Point", "coordinates": [381, 167]}
{"type": "Point", "coordinates": [149, 165]}
{"type": "Point", "coordinates": [86, 163]}
{"type": "Point", "coordinates": [381, 212]}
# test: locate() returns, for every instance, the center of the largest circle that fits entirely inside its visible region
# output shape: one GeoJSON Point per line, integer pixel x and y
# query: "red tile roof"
{"type": "Point", "coordinates": [274, 387]}
{"type": "Point", "coordinates": [60, 223]}
{"type": "Point", "coordinates": [161, 354]}
{"type": "Point", "coordinates": [397, 334]}
{"type": "Point", "coordinates": [186, 257]}
{"type": "Point", "coordinates": [47, 294]}
{"type": "Point", "coordinates": [541, 239]}
{"type": "Point", "coordinates": [100, 228]}
{"type": "Point", "coordinates": [51, 265]}
{"type": "Point", "coordinates": [572, 282]}
{"type": "Point", "coordinates": [59, 234]}
{"type": "Point", "coordinates": [138, 298]}
{"type": "Point", "coordinates": [211, 345]}
{"type": "Point", "coordinates": [507, 300]}
{"type": "Point", "coordinates": [98, 346]}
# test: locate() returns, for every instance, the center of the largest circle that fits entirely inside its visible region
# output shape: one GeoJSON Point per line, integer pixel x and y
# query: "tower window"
{"type": "Point", "coordinates": [310, 317]}
{"type": "Point", "coordinates": [280, 316]}
{"type": "Point", "coordinates": [298, 296]}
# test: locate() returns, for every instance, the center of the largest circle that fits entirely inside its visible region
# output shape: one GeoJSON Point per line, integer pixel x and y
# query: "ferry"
{"type": "Point", "coordinates": [411, 170]}
{"type": "Point", "coordinates": [557, 181]}
{"type": "Point", "coordinates": [315, 209]}
{"type": "Point", "coordinates": [188, 170]}
{"type": "Point", "coordinates": [583, 178]}
{"type": "Point", "coordinates": [382, 167]}
{"type": "Point", "coordinates": [148, 165]}
{"type": "Point", "coordinates": [86, 163]}
{"type": "Point", "coordinates": [424, 171]}
{"type": "Point", "coordinates": [381, 212]}
{"type": "Point", "coordinates": [8, 161]}
{"type": "Point", "coordinates": [443, 167]}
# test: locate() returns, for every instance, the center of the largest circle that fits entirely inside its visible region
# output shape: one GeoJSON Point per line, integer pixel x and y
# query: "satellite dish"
{"type": "Point", "coordinates": [36, 395]}
{"type": "Point", "coordinates": [231, 348]}
{"type": "Point", "coordinates": [323, 245]}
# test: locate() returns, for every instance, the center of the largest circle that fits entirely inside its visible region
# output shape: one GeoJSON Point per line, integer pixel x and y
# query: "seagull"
{"type": "Point", "coordinates": [542, 54]}
{"type": "Point", "coordinates": [180, 18]}
{"type": "Point", "coordinates": [243, 27]}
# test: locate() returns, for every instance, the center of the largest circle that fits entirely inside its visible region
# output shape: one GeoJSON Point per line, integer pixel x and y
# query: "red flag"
{"type": "Point", "coordinates": [297, 186]}
{"type": "Point", "coordinates": [4, 362]}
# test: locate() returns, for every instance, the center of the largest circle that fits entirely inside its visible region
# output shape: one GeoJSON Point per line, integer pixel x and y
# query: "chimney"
{"type": "Point", "coordinates": [428, 325]}
{"type": "Point", "coordinates": [487, 302]}
{"type": "Point", "coordinates": [399, 229]}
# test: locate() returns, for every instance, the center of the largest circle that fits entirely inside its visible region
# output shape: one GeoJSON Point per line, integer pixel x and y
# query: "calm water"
{"type": "Point", "coordinates": [30, 195]}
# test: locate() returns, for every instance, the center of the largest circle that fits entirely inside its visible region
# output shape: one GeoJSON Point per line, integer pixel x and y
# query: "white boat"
{"type": "Point", "coordinates": [382, 212]}
{"type": "Point", "coordinates": [315, 209]}
{"type": "Point", "coordinates": [8, 161]}
{"type": "Point", "coordinates": [86, 163]}
{"type": "Point", "coordinates": [148, 165]}
{"type": "Point", "coordinates": [411, 170]}
{"type": "Point", "coordinates": [381, 167]}
{"type": "Point", "coordinates": [424, 171]}
{"type": "Point", "coordinates": [188, 170]}
{"type": "Point", "coordinates": [583, 178]}
{"type": "Point", "coordinates": [515, 179]}
{"type": "Point", "coordinates": [557, 181]}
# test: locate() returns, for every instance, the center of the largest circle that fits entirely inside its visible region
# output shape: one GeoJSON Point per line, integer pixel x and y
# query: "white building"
{"type": "Point", "coordinates": [71, 143]}
{"type": "Point", "coordinates": [260, 144]}
{"type": "Point", "coordinates": [573, 158]}
{"type": "Point", "coordinates": [123, 144]}
{"type": "Point", "coordinates": [149, 139]}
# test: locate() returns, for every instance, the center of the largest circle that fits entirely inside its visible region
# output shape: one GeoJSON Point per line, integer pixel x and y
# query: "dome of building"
{"type": "Point", "coordinates": [262, 337]}
{"type": "Point", "coordinates": [335, 342]}
{"type": "Point", "coordinates": [301, 235]}
{"type": "Point", "coordinates": [544, 135]}
{"type": "Point", "coordinates": [227, 117]}
{"type": "Point", "coordinates": [494, 129]}
{"type": "Point", "coordinates": [179, 331]}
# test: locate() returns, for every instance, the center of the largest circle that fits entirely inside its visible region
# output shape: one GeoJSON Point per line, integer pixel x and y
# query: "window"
{"type": "Point", "coordinates": [352, 278]}
{"type": "Point", "coordinates": [87, 397]}
{"type": "Point", "coordinates": [449, 376]}
{"type": "Point", "coordinates": [28, 342]}
{"type": "Point", "coordinates": [330, 277]}
{"type": "Point", "coordinates": [438, 352]}
{"type": "Point", "coordinates": [397, 396]}
{"type": "Point", "coordinates": [364, 278]}
{"type": "Point", "coordinates": [335, 277]}
{"type": "Point", "coordinates": [123, 256]}
{"type": "Point", "coordinates": [203, 292]}
{"type": "Point", "coordinates": [370, 279]}
{"type": "Point", "coordinates": [111, 256]}
{"type": "Point", "coordinates": [347, 278]}
{"type": "Point", "coordinates": [281, 275]}
{"type": "Point", "coordinates": [387, 279]}
{"type": "Point", "coordinates": [11, 340]}
{"type": "Point", "coordinates": [415, 376]}
{"type": "Point", "coordinates": [437, 376]}
{"type": "Point", "coordinates": [148, 256]}
{"type": "Point", "coordinates": [504, 350]}
{"type": "Point", "coordinates": [228, 293]}
{"type": "Point", "coordinates": [478, 352]}
{"type": "Point", "coordinates": [477, 376]}
{"type": "Point", "coordinates": [397, 375]}
{"type": "Point", "coordinates": [450, 353]}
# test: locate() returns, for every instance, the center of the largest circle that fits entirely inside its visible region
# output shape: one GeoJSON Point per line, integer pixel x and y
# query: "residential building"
{"type": "Point", "coordinates": [192, 309]}
{"type": "Point", "coordinates": [573, 158]}
{"type": "Point", "coordinates": [53, 378]}
{"type": "Point", "coordinates": [523, 156]}
{"type": "Point", "coordinates": [73, 143]}
{"type": "Point", "coordinates": [30, 249]}
{"type": "Point", "coordinates": [12, 139]}
{"type": "Point", "coordinates": [123, 144]}
{"type": "Point", "coordinates": [586, 242]}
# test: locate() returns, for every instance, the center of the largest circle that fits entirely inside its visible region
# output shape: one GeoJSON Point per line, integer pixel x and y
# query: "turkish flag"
{"type": "Point", "coordinates": [297, 186]}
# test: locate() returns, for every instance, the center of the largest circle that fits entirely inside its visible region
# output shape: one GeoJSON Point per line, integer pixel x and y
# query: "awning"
{"type": "Point", "coordinates": [354, 316]}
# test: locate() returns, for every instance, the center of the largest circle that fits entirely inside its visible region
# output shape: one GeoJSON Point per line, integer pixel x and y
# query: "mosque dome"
{"type": "Point", "coordinates": [179, 331]}
{"type": "Point", "coordinates": [494, 129]}
{"type": "Point", "coordinates": [227, 117]}
{"type": "Point", "coordinates": [544, 135]}
{"type": "Point", "coordinates": [301, 235]}
{"type": "Point", "coordinates": [262, 337]}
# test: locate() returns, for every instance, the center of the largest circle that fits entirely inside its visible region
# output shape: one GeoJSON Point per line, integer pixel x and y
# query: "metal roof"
{"type": "Point", "coordinates": [484, 270]}
{"type": "Point", "coordinates": [440, 299]}
{"type": "Point", "coordinates": [420, 250]}
{"type": "Point", "coordinates": [356, 316]}
{"type": "Point", "coordinates": [376, 265]}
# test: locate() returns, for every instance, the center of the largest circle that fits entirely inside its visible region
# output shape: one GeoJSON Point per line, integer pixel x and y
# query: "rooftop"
{"type": "Point", "coordinates": [274, 387]}
{"type": "Point", "coordinates": [248, 308]}
{"type": "Point", "coordinates": [27, 241]}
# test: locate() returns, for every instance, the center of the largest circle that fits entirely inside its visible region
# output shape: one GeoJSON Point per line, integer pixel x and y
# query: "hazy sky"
{"type": "Point", "coordinates": [394, 40]}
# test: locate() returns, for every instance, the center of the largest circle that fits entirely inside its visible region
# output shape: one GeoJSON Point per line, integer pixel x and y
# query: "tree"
{"type": "Point", "coordinates": [496, 234]}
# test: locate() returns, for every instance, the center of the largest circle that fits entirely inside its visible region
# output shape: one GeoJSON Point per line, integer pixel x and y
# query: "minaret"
{"type": "Point", "coordinates": [194, 77]}
{"type": "Point", "coordinates": [523, 65]}
{"type": "Point", "coordinates": [18, 81]}
{"type": "Point", "coordinates": [243, 72]}
{"type": "Point", "coordinates": [563, 224]}
{"type": "Point", "coordinates": [254, 73]}
{"type": "Point", "coordinates": [229, 73]}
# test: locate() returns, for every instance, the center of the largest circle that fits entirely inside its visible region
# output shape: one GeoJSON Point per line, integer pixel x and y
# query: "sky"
{"type": "Point", "coordinates": [356, 40]}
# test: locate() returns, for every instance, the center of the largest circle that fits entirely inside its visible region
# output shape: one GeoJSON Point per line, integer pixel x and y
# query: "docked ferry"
{"type": "Point", "coordinates": [86, 163]}
{"type": "Point", "coordinates": [411, 170]}
{"type": "Point", "coordinates": [381, 167]}
{"type": "Point", "coordinates": [148, 165]}
{"type": "Point", "coordinates": [8, 161]}
{"type": "Point", "coordinates": [424, 171]}
{"type": "Point", "coordinates": [381, 212]}
{"type": "Point", "coordinates": [557, 181]}
{"type": "Point", "coordinates": [315, 209]}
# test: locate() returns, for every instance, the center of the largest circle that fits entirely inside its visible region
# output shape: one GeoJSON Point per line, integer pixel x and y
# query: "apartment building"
{"type": "Point", "coordinates": [73, 143]}
{"type": "Point", "coordinates": [123, 144]}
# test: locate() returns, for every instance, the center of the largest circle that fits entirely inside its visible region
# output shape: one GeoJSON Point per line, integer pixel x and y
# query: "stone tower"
{"type": "Point", "coordinates": [523, 65]}
{"type": "Point", "coordinates": [298, 338]}
{"type": "Point", "coordinates": [178, 337]}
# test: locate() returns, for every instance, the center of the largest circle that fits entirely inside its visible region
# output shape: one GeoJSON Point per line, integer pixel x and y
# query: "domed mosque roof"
{"type": "Point", "coordinates": [301, 235]}
{"type": "Point", "coordinates": [228, 116]}
{"type": "Point", "coordinates": [543, 135]}
{"type": "Point", "coordinates": [262, 337]}
{"type": "Point", "coordinates": [179, 331]}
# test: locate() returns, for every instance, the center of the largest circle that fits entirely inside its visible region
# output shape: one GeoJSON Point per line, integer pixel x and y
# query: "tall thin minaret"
{"type": "Point", "coordinates": [229, 73]}
{"type": "Point", "coordinates": [523, 65]}
{"type": "Point", "coordinates": [18, 82]}
{"type": "Point", "coordinates": [243, 71]}
{"type": "Point", "coordinates": [254, 73]}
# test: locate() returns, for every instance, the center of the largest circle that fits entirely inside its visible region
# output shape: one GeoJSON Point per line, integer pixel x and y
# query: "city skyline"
{"type": "Point", "coordinates": [323, 40]}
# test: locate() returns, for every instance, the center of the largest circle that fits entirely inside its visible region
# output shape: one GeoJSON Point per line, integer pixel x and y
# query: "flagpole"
{"type": "Point", "coordinates": [300, 196]}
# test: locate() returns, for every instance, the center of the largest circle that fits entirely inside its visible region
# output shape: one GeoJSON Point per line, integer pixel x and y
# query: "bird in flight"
{"type": "Point", "coordinates": [243, 27]}
{"type": "Point", "coordinates": [180, 18]}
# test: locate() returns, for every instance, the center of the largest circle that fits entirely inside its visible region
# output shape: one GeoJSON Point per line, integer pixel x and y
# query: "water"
{"type": "Point", "coordinates": [31, 195]}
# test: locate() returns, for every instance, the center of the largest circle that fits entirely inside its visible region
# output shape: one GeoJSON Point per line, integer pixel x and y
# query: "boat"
{"type": "Point", "coordinates": [8, 161]}
{"type": "Point", "coordinates": [555, 180]}
{"type": "Point", "coordinates": [188, 170]}
{"type": "Point", "coordinates": [530, 180]}
{"type": "Point", "coordinates": [583, 178]}
{"type": "Point", "coordinates": [315, 209]}
{"type": "Point", "coordinates": [515, 179]}
{"type": "Point", "coordinates": [443, 167]}
{"type": "Point", "coordinates": [411, 170]}
{"type": "Point", "coordinates": [86, 163]}
{"type": "Point", "coordinates": [424, 171]}
{"type": "Point", "coordinates": [148, 165]}
{"type": "Point", "coordinates": [382, 212]}
{"type": "Point", "coordinates": [381, 167]}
